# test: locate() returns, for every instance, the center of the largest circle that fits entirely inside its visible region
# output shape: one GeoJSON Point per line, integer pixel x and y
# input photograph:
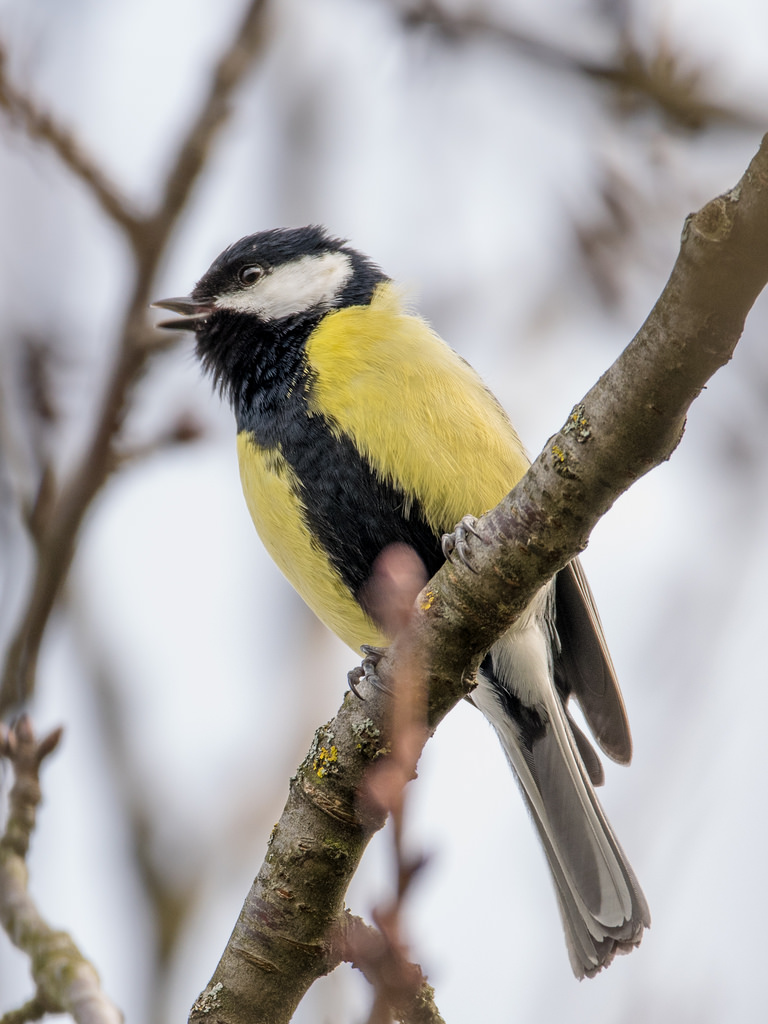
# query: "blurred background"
{"type": "Point", "coordinates": [525, 169]}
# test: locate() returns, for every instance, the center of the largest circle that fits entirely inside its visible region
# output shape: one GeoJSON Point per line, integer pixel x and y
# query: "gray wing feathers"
{"type": "Point", "coordinates": [583, 666]}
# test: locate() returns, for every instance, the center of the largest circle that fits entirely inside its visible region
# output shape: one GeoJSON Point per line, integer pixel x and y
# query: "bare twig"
{"type": "Point", "coordinates": [662, 81]}
{"type": "Point", "coordinates": [381, 954]}
{"type": "Point", "coordinates": [401, 987]}
{"type": "Point", "coordinates": [233, 66]}
{"type": "Point", "coordinates": [41, 126]}
{"type": "Point", "coordinates": [66, 982]}
{"type": "Point", "coordinates": [56, 533]}
{"type": "Point", "coordinates": [33, 1009]}
{"type": "Point", "coordinates": [186, 430]}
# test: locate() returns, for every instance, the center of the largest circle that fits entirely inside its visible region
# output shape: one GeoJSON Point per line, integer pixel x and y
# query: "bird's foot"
{"type": "Point", "coordinates": [454, 544]}
{"type": "Point", "coordinates": [367, 670]}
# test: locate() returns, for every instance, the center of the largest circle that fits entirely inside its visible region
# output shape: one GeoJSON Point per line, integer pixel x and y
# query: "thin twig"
{"type": "Point", "coordinates": [234, 65]}
{"type": "Point", "coordinates": [660, 81]}
{"type": "Point", "coordinates": [56, 538]}
{"type": "Point", "coordinates": [43, 127]}
{"type": "Point", "coordinates": [66, 982]}
{"type": "Point", "coordinates": [397, 576]}
{"type": "Point", "coordinates": [368, 950]}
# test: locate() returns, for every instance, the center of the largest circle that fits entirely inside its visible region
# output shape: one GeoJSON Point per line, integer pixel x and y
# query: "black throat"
{"type": "Point", "coordinates": [256, 366]}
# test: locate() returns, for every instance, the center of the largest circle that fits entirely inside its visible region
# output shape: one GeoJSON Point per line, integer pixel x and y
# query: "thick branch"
{"type": "Point", "coordinates": [627, 424]}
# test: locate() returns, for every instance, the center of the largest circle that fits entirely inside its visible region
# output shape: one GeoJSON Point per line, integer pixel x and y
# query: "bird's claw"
{"type": "Point", "coordinates": [367, 670]}
{"type": "Point", "coordinates": [455, 544]}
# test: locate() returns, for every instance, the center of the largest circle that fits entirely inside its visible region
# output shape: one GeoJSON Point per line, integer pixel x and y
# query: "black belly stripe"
{"type": "Point", "coordinates": [350, 511]}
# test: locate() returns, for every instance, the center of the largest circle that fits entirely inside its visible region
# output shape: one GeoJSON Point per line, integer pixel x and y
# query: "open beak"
{"type": "Point", "coordinates": [192, 313]}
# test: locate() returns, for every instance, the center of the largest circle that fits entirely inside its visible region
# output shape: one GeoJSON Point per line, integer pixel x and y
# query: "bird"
{"type": "Point", "coordinates": [359, 428]}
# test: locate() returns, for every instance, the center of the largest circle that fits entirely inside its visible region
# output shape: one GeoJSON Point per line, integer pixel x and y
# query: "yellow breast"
{"type": "Point", "coordinates": [417, 413]}
{"type": "Point", "coordinates": [270, 492]}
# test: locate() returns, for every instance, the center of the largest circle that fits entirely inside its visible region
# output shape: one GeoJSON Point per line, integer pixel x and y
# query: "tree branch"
{"type": "Point", "coordinates": [234, 64]}
{"type": "Point", "coordinates": [631, 421]}
{"type": "Point", "coordinates": [56, 534]}
{"type": "Point", "coordinates": [66, 981]}
{"type": "Point", "coordinates": [41, 126]}
{"type": "Point", "coordinates": [381, 953]}
{"type": "Point", "coordinates": [370, 951]}
{"type": "Point", "coordinates": [662, 82]}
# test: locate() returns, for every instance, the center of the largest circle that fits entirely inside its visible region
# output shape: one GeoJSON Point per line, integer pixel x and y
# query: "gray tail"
{"type": "Point", "coordinates": [603, 908]}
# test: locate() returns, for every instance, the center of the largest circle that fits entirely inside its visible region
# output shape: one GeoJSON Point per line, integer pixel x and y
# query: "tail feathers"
{"type": "Point", "coordinates": [602, 906]}
{"type": "Point", "coordinates": [603, 909]}
{"type": "Point", "coordinates": [591, 944]}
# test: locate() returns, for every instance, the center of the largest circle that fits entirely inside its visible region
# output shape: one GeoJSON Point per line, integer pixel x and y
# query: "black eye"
{"type": "Point", "coordinates": [250, 275]}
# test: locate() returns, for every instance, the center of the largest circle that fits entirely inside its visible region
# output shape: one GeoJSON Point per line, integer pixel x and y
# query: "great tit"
{"type": "Point", "coordinates": [359, 428]}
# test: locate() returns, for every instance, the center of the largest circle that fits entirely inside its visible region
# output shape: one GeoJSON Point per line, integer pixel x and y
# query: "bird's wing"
{"type": "Point", "coordinates": [583, 666]}
{"type": "Point", "coordinates": [418, 414]}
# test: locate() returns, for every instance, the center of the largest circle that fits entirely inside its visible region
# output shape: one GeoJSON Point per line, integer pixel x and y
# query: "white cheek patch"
{"type": "Point", "coordinates": [306, 283]}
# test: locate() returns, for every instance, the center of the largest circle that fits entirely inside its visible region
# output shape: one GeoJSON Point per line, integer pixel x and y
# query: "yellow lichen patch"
{"type": "Point", "coordinates": [325, 761]}
{"type": "Point", "coordinates": [578, 424]}
{"type": "Point", "coordinates": [428, 600]}
{"type": "Point", "coordinates": [560, 462]}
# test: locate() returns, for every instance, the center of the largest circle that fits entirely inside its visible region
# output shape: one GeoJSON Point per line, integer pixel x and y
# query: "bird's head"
{"type": "Point", "coordinates": [276, 276]}
{"type": "Point", "coordinates": [257, 303]}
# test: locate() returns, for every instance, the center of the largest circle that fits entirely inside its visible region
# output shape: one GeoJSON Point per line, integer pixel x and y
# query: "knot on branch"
{"type": "Point", "coordinates": [26, 753]}
{"type": "Point", "coordinates": [714, 221]}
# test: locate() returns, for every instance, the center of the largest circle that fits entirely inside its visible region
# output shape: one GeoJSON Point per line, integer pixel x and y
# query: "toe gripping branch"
{"type": "Point", "coordinates": [367, 670]}
{"type": "Point", "coordinates": [454, 544]}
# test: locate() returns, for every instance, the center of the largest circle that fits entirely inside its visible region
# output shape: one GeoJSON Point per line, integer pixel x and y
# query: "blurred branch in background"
{"type": "Point", "coordinates": [65, 981]}
{"type": "Point", "coordinates": [663, 81]}
{"type": "Point", "coordinates": [55, 508]}
{"type": "Point", "coordinates": [172, 894]}
{"type": "Point", "coordinates": [58, 508]}
{"type": "Point", "coordinates": [381, 953]}
{"type": "Point", "coordinates": [41, 126]}
{"type": "Point", "coordinates": [658, 78]}
{"type": "Point", "coordinates": [399, 986]}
